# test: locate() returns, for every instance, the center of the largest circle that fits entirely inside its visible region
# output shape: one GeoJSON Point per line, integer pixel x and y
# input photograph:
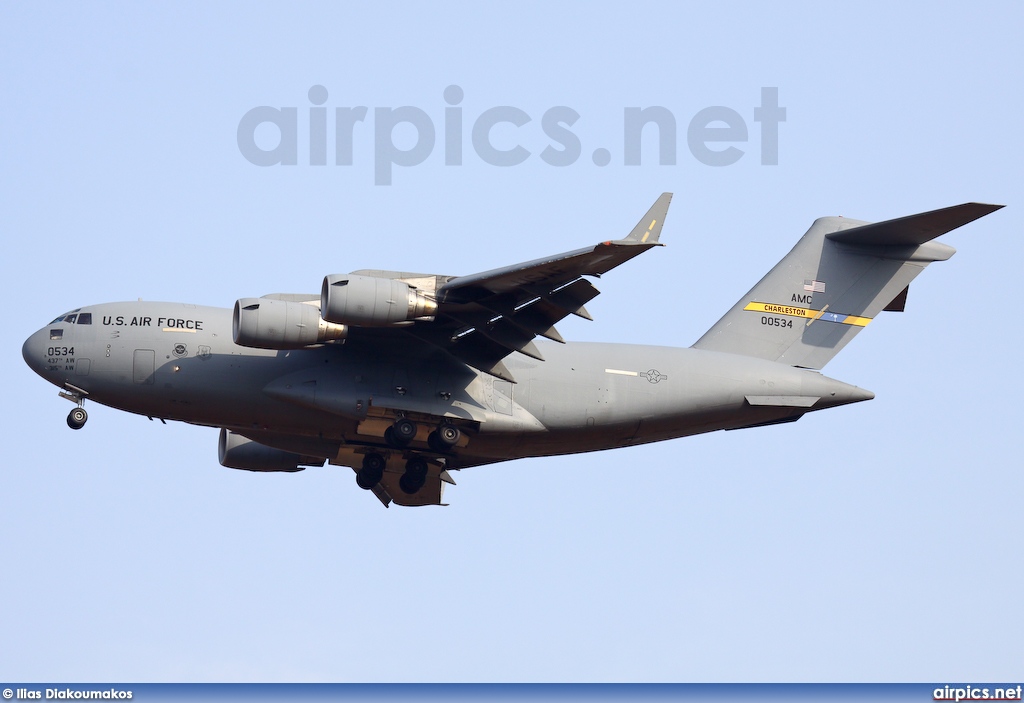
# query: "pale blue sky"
{"type": "Point", "coordinates": [881, 541]}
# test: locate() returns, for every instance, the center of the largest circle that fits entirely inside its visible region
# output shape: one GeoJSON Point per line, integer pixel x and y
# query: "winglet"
{"type": "Point", "coordinates": [648, 229]}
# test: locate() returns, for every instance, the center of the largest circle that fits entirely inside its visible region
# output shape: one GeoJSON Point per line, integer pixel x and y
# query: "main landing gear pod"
{"type": "Point", "coordinates": [417, 468]}
{"type": "Point", "coordinates": [410, 482]}
{"type": "Point", "coordinates": [372, 472]}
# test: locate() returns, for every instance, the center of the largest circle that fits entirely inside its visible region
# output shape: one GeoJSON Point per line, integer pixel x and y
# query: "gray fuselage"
{"type": "Point", "coordinates": [178, 362]}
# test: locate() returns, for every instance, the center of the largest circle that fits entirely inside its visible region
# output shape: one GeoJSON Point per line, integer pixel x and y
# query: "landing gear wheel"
{"type": "Point", "coordinates": [416, 467]}
{"type": "Point", "coordinates": [401, 433]}
{"type": "Point", "coordinates": [410, 485]}
{"type": "Point", "coordinates": [415, 476]}
{"type": "Point", "coordinates": [77, 418]}
{"type": "Point", "coordinates": [372, 471]}
{"type": "Point", "coordinates": [449, 434]}
{"type": "Point", "coordinates": [444, 438]}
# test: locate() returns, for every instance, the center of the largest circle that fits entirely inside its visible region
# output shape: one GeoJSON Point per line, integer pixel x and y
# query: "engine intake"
{"type": "Point", "coordinates": [237, 452]}
{"type": "Point", "coordinates": [368, 301]}
{"type": "Point", "coordinates": [266, 323]}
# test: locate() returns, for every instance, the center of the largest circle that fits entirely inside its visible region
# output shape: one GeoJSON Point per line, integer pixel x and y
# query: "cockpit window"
{"type": "Point", "coordinates": [85, 318]}
{"type": "Point", "coordinates": [57, 334]}
{"type": "Point", "coordinates": [70, 317]}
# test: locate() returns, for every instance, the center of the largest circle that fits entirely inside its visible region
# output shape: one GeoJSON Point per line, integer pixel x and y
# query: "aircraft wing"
{"type": "Point", "coordinates": [484, 317]}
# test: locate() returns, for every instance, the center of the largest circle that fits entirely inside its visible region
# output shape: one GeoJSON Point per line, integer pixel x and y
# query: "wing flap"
{"type": "Point", "coordinates": [499, 329]}
{"type": "Point", "coordinates": [484, 336]}
{"type": "Point", "coordinates": [484, 317]}
{"type": "Point", "coordinates": [535, 323]}
{"type": "Point", "coordinates": [571, 298]}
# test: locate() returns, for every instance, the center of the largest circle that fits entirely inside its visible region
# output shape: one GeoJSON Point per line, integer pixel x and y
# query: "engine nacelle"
{"type": "Point", "coordinates": [266, 323]}
{"type": "Point", "coordinates": [368, 301]}
{"type": "Point", "coordinates": [238, 452]}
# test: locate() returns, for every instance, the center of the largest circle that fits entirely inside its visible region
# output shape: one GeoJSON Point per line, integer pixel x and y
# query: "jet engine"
{"type": "Point", "coordinates": [350, 299]}
{"type": "Point", "coordinates": [237, 452]}
{"type": "Point", "coordinates": [266, 323]}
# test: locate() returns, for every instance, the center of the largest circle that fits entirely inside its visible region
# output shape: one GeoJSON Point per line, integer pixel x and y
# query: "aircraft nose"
{"type": "Point", "coordinates": [33, 350]}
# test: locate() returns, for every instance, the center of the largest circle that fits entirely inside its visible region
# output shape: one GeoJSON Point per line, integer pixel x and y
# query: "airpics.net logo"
{"type": "Point", "coordinates": [406, 136]}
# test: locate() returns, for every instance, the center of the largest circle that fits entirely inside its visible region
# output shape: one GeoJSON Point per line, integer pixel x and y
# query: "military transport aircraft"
{"type": "Point", "coordinates": [407, 376]}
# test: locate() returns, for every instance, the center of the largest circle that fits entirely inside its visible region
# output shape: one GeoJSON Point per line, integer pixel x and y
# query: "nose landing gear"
{"type": "Point", "coordinates": [78, 416]}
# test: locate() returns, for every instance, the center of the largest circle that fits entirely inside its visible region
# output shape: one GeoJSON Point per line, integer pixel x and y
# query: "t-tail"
{"type": "Point", "coordinates": [839, 276]}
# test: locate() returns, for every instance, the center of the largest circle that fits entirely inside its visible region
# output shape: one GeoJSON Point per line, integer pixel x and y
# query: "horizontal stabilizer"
{"type": "Point", "coordinates": [913, 230]}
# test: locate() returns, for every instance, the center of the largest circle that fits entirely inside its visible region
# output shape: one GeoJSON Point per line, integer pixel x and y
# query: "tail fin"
{"type": "Point", "coordinates": [838, 277]}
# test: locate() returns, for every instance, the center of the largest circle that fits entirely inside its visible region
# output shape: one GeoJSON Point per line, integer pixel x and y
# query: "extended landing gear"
{"type": "Point", "coordinates": [441, 440]}
{"type": "Point", "coordinates": [400, 436]}
{"type": "Point", "coordinates": [77, 418]}
{"type": "Point", "coordinates": [444, 438]}
{"type": "Point", "coordinates": [401, 433]}
{"type": "Point", "coordinates": [372, 471]}
{"type": "Point", "coordinates": [415, 475]}
{"type": "Point", "coordinates": [414, 478]}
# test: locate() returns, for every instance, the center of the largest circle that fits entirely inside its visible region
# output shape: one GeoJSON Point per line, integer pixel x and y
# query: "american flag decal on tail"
{"type": "Point", "coordinates": [814, 286]}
